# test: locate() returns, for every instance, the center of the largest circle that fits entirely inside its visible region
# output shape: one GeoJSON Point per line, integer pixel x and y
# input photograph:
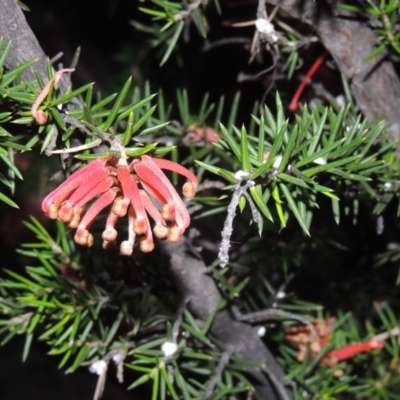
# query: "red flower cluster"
{"type": "Point", "coordinates": [132, 190]}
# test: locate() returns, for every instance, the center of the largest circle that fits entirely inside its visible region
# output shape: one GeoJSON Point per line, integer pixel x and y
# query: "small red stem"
{"type": "Point", "coordinates": [173, 166]}
{"type": "Point", "coordinates": [131, 191]}
{"type": "Point", "coordinates": [102, 202]}
{"type": "Point", "coordinates": [295, 100]}
{"type": "Point", "coordinates": [353, 349]}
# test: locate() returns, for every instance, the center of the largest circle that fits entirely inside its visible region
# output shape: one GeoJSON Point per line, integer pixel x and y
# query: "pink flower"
{"type": "Point", "coordinates": [139, 190]}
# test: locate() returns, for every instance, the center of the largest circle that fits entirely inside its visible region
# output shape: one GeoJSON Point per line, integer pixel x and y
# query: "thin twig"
{"type": "Point", "coordinates": [186, 13]}
{"type": "Point", "coordinates": [239, 190]}
{"type": "Point", "coordinates": [242, 77]}
{"type": "Point", "coordinates": [281, 292]}
{"type": "Point", "coordinates": [279, 386]}
{"type": "Point", "coordinates": [178, 319]}
{"type": "Point", "coordinates": [224, 360]}
{"type": "Point", "coordinates": [226, 41]}
{"type": "Point", "coordinates": [54, 59]}
{"type": "Point", "coordinates": [269, 313]}
{"type": "Point", "coordinates": [261, 9]}
{"type": "Point", "coordinates": [386, 335]}
{"type": "Point", "coordinates": [210, 185]}
{"type": "Point", "coordinates": [95, 143]}
{"type": "Point", "coordinates": [254, 211]}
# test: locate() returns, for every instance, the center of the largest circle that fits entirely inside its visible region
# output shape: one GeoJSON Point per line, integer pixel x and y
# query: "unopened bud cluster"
{"type": "Point", "coordinates": [128, 190]}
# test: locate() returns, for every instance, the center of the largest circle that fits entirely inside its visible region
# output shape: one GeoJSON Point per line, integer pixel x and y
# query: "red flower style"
{"type": "Point", "coordinates": [132, 190]}
{"type": "Point", "coordinates": [299, 336]}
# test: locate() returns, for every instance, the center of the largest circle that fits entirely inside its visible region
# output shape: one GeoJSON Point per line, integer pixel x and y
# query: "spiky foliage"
{"type": "Point", "coordinates": [285, 192]}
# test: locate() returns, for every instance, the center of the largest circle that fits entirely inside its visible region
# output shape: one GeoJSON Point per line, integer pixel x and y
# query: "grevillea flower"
{"type": "Point", "coordinates": [137, 191]}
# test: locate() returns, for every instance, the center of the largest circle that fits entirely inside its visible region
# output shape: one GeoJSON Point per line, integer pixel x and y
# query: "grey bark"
{"type": "Point", "coordinates": [374, 84]}
{"type": "Point", "coordinates": [24, 45]}
{"type": "Point", "coordinates": [192, 278]}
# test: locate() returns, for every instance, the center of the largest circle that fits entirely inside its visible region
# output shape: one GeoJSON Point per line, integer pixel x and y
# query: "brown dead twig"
{"type": "Point", "coordinates": [40, 116]}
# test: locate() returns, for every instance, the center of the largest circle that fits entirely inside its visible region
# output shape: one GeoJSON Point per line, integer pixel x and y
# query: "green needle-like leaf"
{"type": "Point", "coordinates": [102, 103]}
{"type": "Point", "coordinates": [27, 346]}
{"type": "Point", "coordinates": [129, 130]}
{"type": "Point", "coordinates": [118, 103]}
{"type": "Point", "coordinates": [261, 138]}
{"type": "Point", "coordinates": [89, 157]}
{"type": "Point", "coordinates": [336, 210]}
{"type": "Point", "coordinates": [278, 205]}
{"type": "Point", "coordinates": [172, 42]}
{"type": "Point", "coordinates": [232, 142]}
{"type": "Point", "coordinates": [169, 384]}
{"type": "Point", "coordinates": [319, 154]}
{"type": "Point", "coordinates": [293, 180]}
{"type": "Point", "coordinates": [288, 150]}
{"type": "Point", "coordinates": [51, 131]}
{"type": "Point", "coordinates": [154, 128]}
{"type": "Point", "coordinates": [233, 112]}
{"type": "Point", "coordinates": [11, 166]}
{"type": "Point", "coordinates": [330, 166]}
{"type": "Point", "coordinates": [244, 147]}
{"type": "Point", "coordinates": [317, 135]}
{"type": "Point", "coordinates": [293, 207]}
{"type": "Point", "coordinates": [8, 201]}
{"type": "Point", "coordinates": [69, 96]}
{"type": "Point", "coordinates": [143, 119]}
{"type": "Point", "coordinates": [10, 76]}
{"type": "Point", "coordinates": [55, 328]}
{"type": "Point", "coordinates": [272, 154]}
{"type": "Point", "coordinates": [126, 110]}
{"type": "Point", "coordinates": [4, 53]}
{"type": "Point", "coordinates": [255, 192]}
{"type": "Point", "coordinates": [81, 356]}
{"type": "Point", "coordinates": [57, 117]}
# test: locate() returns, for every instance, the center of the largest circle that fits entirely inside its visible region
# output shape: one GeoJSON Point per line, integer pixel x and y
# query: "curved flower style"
{"type": "Point", "coordinates": [134, 190]}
